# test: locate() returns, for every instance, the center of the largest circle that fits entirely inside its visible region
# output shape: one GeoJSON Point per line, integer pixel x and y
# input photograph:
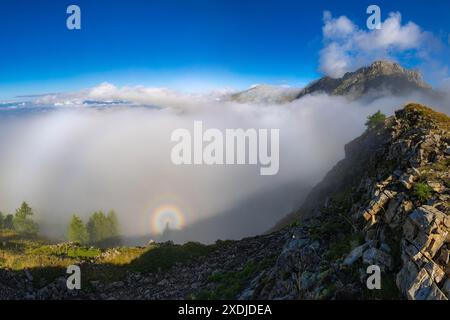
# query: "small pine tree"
{"type": "Point", "coordinates": [97, 227]}
{"type": "Point", "coordinates": [375, 120]}
{"type": "Point", "coordinates": [103, 229]}
{"type": "Point", "coordinates": [77, 231]}
{"type": "Point", "coordinates": [8, 222]}
{"type": "Point", "coordinates": [22, 221]}
{"type": "Point", "coordinates": [113, 224]}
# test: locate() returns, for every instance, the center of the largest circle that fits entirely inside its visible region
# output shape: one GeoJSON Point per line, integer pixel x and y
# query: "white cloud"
{"type": "Point", "coordinates": [137, 95]}
{"type": "Point", "coordinates": [348, 47]}
{"type": "Point", "coordinates": [140, 94]}
{"type": "Point", "coordinates": [334, 60]}
{"type": "Point", "coordinates": [103, 89]}
{"type": "Point", "coordinates": [337, 28]}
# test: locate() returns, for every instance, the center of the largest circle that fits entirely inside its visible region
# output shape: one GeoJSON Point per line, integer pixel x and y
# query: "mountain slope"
{"type": "Point", "coordinates": [266, 94]}
{"type": "Point", "coordinates": [379, 76]}
{"type": "Point", "coordinates": [378, 79]}
{"type": "Point", "coordinates": [386, 204]}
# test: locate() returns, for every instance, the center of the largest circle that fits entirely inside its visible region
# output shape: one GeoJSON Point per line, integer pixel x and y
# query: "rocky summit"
{"type": "Point", "coordinates": [387, 204]}
{"type": "Point", "coordinates": [380, 77]}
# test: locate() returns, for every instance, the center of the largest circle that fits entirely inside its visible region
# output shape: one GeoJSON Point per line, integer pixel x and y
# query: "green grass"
{"type": "Point", "coordinates": [162, 257]}
{"type": "Point", "coordinates": [229, 284]}
{"type": "Point", "coordinates": [433, 172]}
{"type": "Point", "coordinates": [422, 191]}
{"type": "Point", "coordinates": [429, 114]}
{"type": "Point", "coordinates": [49, 261]}
{"type": "Point", "coordinates": [154, 258]}
{"type": "Point", "coordinates": [67, 250]}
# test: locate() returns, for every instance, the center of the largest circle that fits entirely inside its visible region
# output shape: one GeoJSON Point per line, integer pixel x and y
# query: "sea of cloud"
{"type": "Point", "coordinates": [77, 158]}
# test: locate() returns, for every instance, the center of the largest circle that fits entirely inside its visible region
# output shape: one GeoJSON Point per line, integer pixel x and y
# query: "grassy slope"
{"type": "Point", "coordinates": [48, 261]}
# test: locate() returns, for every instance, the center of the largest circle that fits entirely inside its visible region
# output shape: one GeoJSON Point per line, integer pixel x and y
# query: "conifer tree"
{"type": "Point", "coordinates": [77, 231]}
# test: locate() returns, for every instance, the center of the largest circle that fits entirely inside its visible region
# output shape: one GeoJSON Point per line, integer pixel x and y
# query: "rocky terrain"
{"type": "Point", "coordinates": [223, 273]}
{"type": "Point", "coordinates": [379, 79]}
{"type": "Point", "coordinates": [386, 204]}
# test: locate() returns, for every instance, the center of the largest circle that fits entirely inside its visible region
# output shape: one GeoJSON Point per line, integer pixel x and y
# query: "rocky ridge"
{"type": "Point", "coordinates": [380, 76]}
{"type": "Point", "coordinates": [390, 210]}
{"type": "Point", "coordinates": [378, 79]}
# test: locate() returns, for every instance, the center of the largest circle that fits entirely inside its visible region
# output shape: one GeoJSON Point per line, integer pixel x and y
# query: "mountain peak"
{"type": "Point", "coordinates": [382, 68]}
{"type": "Point", "coordinates": [381, 76]}
{"type": "Point", "coordinates": [391, 68]}
{"type": "Point", "coordinates": [385, 64]}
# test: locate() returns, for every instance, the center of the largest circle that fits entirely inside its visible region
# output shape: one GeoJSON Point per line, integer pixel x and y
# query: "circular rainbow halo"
{"type": "Point", "coordinates": [166, 215]}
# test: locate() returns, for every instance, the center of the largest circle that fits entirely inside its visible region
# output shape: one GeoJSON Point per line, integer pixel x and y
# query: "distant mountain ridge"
{"type": "Point", "coordinates": [379, 78]}
{"type": "Point", "coordinates": [266, 94]}
{"type": "Point", "coordinates": [380, 75]}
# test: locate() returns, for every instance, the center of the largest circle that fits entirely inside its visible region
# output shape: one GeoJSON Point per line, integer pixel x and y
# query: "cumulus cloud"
{"type": "Point", "coordinates": [348, 47]}
{"type": "Point", "coordinates": [337, 28]}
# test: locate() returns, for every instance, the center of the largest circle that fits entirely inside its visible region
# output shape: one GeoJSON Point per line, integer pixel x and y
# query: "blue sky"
{"type": "Point", "coordinates": [183, 44]}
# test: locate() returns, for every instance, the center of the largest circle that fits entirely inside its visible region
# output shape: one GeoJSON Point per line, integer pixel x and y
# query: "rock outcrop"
{"type": "Point", "coordinates": [379, 79]}
{"type": "Point", "coordinates": [386, 204]}
{"type": "Point", "coordinates": [380, 76]}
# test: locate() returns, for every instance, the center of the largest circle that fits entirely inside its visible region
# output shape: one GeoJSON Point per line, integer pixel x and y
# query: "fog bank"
{"type": "Point", "coordinates": [79, 159]}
